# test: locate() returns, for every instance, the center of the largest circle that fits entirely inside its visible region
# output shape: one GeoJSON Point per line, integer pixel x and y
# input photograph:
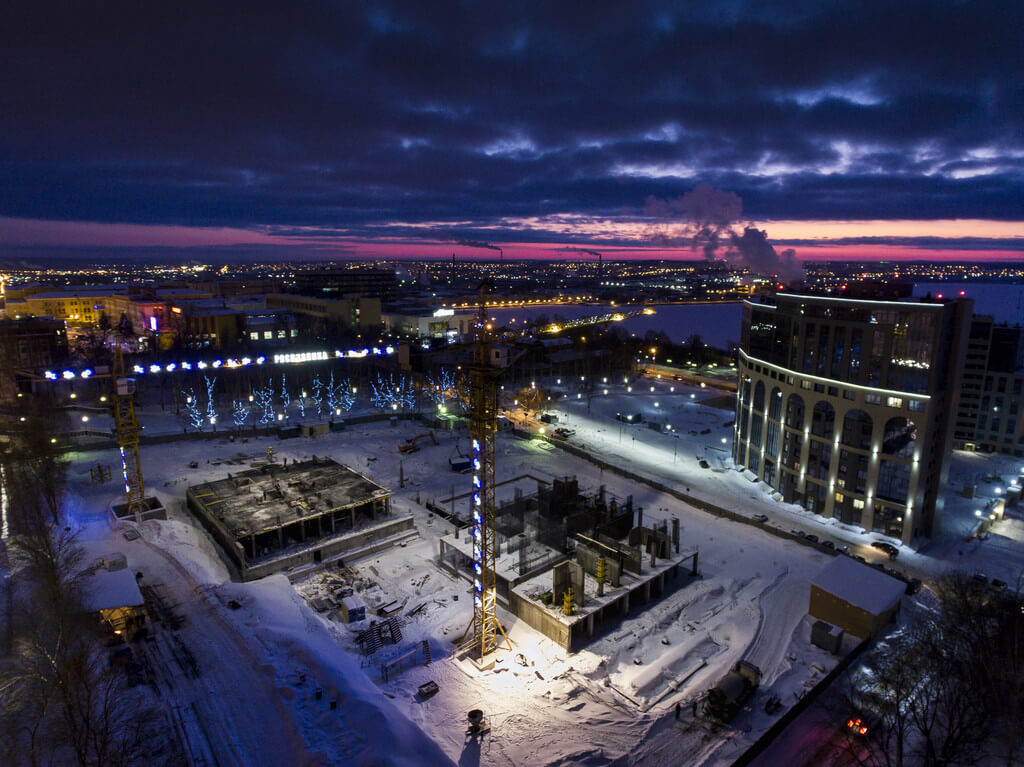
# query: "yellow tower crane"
{"type": "Point", "coordinates": [483, 631]}
{"type": "Point", "coordinates": [126, 426]}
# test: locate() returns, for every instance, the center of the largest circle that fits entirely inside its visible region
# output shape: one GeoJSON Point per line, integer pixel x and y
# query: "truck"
{"type": "Point", "coordinates": [726, 698]}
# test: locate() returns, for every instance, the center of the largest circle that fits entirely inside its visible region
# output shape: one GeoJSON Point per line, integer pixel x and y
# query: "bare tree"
{"type": "Point", "coordinates": [948, 688]}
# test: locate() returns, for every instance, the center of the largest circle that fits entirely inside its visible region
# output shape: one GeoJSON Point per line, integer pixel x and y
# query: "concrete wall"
{"type": "Point", "coordinates": [567, 575]}
{"type": "Point", "coordinates": [329, 548]}
{"type": "Point", "coordinates": [588, 557]}
{"type": "Point", "coordinates": [537, 618]}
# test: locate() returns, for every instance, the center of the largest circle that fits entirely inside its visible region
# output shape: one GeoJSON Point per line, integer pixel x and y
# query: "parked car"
{"type": "Point", "coordinates": [887, 548]}
{"type": "Point", "coordinates": [842, 548]}
{"type": "Point", "coordinates": [811, 537]}
{"type": "Point", "coordinates": [997, 585]}
{"type": "Point", "coordinates": [913, 586]}
{"type": "Point", "coordinates": [828, 544]}
{"type": "Point", "coordinates": [980, 579]}
{"type": "Point", "coordinates": [761, 518]}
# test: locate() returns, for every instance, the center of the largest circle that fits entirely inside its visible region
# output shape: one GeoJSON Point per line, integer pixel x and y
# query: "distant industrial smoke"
{"type": "Point", "coordinates": [448, 237]}
{"type": "Point", "coordinates": [709, 220]}
{"type": "Point", "coordinates": [580, 250]}
{"type": "Point", "coordinates": [476, 244]}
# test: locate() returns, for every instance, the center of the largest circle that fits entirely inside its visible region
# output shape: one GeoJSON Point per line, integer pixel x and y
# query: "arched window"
{"type": "Point", "coordinates": [775, 405]}
{"type": "Point", "coordinates": [759, 397]}
{"type": "Point", "coordinates": [900, 437]}
{"type": "Point", "coordinates": [857, 428]}
{"type": "Point", "coordinates": [823, 419]}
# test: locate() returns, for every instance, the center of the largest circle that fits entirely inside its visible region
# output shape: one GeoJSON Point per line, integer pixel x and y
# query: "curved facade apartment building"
{"type": "Point", "coordinates": [846, 406]}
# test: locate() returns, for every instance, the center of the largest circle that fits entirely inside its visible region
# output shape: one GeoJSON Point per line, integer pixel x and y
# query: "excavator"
{"type": "Point", "coordinates": [410, 446]}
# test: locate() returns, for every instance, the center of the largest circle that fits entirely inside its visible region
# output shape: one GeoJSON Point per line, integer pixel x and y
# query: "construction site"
{"type": "Point", "coordinates": [291, 517]}
{"type": "Point", "coordinates": [497, 574]}
{"type": "Point", "coordinates": [570, 563]}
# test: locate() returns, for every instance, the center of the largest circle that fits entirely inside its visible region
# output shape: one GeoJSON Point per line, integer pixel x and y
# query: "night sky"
{"type": "Point", "coordinates": [254, 129]}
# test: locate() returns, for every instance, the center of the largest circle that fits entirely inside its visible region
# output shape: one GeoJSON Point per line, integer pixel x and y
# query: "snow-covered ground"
{"type": "Point", "coordinates": [610, 703]}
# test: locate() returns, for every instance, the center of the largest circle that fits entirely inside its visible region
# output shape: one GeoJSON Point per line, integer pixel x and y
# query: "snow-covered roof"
{"type": "Point", "coordinates": [106, 590]}
{"type": "Point", "coordinates": [859, 584]}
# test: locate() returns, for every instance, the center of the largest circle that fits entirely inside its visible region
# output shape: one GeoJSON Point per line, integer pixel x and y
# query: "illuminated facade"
{"type": "Point", "coordinates": [845, 406]}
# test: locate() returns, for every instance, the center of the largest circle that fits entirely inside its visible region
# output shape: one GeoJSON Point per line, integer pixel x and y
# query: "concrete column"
{"type": "Point", "coordinates": [805, 442]}
{"type": "Point", "coordinates": [833, 469]}
{"type": "Point", "coordinates": [590, 625]}
{"type": "Point", "coordinates": [625, 603]}
{"type": "Point", "coordinates": [280, 537]}
{"type": "Point", "coordinates": [252, 546]}
{"type": "Point", "coordinates": [647, 591]}
{"type": "Point", "coordinates": [675, 533]}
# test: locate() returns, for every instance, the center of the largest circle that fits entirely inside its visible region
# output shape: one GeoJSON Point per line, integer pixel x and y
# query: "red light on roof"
{"type": "Point", "coordinates": [939, 296]}
{"type": "Point", "coordinates": [963, 292]}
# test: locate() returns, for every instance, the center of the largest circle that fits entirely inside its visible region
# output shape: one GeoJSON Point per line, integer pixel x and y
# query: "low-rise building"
{"type": "Point", "coordinates": [428, 323]}
{"type": "Point", "coordinates": [31, 345]}
{"type": "Point", "coordinates": [854, 596]}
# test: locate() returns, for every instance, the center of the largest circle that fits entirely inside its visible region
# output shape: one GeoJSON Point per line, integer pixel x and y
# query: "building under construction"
{"type": "Point", "coordinates": [571, 564]}
{"type": "Point", "coordinates": [295, 517]}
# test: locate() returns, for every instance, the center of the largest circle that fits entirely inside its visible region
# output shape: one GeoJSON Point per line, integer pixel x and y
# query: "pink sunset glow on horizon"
{"type": "Point", "coordinates": [815, 240]}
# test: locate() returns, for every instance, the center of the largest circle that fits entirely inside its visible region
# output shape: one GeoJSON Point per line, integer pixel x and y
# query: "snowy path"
{"type": "Point", "coordinates": [233, 699]}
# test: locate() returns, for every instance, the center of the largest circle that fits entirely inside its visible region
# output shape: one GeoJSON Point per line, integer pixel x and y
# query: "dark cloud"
{"type": "Point", "coordinates": [339, 118]}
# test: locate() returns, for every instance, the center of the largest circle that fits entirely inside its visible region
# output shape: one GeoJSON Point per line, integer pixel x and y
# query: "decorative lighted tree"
{"type": "Point", "coordinates": [192, 412]}
{"type": "Point", "coordinates": [211, 412]}
{"type": "Point", "coordinates": [447, 387]}
{"type": "Point", "coordinates": [240, 412]}
{"type": "Point", "coordinates": [301, 404]}
{"type": "Point", "coordinates": [318, 394]}
{"type": "Point", "coordinates": [391, 392]}
{"type": "Point", "coordinates": [286, 398]}
{"type": "Point", "coordinates": [264, 397]}
{"type": "Point", "coordinates": [340, 396]}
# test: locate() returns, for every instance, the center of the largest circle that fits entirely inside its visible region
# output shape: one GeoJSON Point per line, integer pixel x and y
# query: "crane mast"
{"type": "Point", "coordinates": [483, 425]}
{"type": "Point", "coordinates": [127, 428]}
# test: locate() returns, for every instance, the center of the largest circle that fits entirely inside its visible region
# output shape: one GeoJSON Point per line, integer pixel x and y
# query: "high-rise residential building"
{"type": "Point", "coordinates": [990, 416]}
{"type": "Point", "coordinates": [846, 406]}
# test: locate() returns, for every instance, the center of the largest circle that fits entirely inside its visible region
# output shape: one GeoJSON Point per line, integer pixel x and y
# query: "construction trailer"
{"type": "Point", "coordinates": [856, 597]}
{"type": "Point", "coordinates": [296, 517]}
{"type": "Point", "coordinates": [111, 592]}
